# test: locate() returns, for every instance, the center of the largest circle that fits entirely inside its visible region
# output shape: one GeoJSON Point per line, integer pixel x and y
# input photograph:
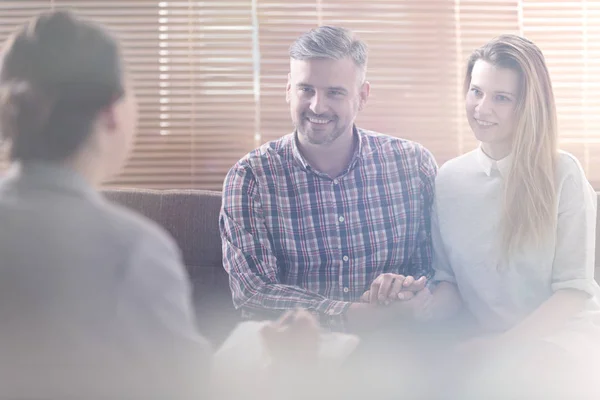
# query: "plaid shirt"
{"type": "Point", "coordinates": [296, 238]}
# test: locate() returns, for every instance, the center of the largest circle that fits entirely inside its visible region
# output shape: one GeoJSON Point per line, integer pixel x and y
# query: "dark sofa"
{"type": "Point", "coordinates": [191, 216]}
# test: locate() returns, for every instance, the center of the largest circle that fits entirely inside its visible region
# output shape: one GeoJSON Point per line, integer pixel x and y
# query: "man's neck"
{"type": "Point", "coordinates": [331, 159]}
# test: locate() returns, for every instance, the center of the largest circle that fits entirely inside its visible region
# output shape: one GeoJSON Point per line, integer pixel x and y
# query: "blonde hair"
{"type": "Point", "coordinates": [530, 194]}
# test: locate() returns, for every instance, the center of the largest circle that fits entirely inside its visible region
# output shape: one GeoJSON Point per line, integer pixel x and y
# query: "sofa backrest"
{"type": "Point", "coordinates": [191, 217]}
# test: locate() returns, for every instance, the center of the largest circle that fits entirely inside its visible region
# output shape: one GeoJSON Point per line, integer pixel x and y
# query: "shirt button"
{"type": "Point", "coordinates": [341, 219]}
{"type": "Point", "coordinates": [345, 258]}
{"type": "Point", "coordinates": [335, 181]}
{"type": "Point", "coordinates": [346, 290]}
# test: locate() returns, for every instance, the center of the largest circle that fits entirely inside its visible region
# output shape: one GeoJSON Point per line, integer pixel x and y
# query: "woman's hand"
{"type": "Point", "coordinates": [387, 288]}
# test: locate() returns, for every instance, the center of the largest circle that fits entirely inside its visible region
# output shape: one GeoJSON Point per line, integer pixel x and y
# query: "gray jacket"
{"type": "Point", "coordinates": [94, 299]}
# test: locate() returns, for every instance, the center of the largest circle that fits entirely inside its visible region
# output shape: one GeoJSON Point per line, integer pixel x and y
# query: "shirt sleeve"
{"type": "Point", "coordinates": [249, 259]}
{"type": "Point", "coordinates": [421, 262]}
{"type": "Point", "coordinates": [573, 266]}
{"type": "Point", "coordinates": [441, 263]}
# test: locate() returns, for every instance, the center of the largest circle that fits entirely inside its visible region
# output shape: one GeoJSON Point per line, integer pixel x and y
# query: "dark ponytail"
{"type": "Point", "coordinates": [24, 114]}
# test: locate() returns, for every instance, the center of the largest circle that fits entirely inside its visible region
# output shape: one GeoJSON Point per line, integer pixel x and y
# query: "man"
{"type": "Point", "coordinates": [318, 217]}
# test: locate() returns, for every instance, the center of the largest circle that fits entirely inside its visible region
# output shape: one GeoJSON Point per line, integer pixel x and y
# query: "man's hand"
{"type": "Point", "coordinates": [391, 287]}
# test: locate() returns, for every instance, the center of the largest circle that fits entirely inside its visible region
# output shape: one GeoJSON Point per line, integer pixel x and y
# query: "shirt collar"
{"type": "Point", "coordinates": [50, 176]}
{"type": "Point", "coordinates": [358, 152]}
{"type": "Point", "coordinates": [488, 164]}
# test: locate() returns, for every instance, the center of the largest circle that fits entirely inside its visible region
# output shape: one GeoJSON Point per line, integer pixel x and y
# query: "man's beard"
{"type": "Point", "coordinates": [328, 135]}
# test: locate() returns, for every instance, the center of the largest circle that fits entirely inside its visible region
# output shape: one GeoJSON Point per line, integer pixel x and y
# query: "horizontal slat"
{"type": "Point", "coordinates": [194, 70]}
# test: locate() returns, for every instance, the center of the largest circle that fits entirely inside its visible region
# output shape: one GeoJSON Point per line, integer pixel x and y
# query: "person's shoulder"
{"type": "Point", "coordinates": [567, 165]}
{"type": "Point", "coordinates": [461, 162]}
{"type": "Point", "coordinates": [266, 153]}
{"type": "Point", "coordinates": [455, 168]}
{"type": "Point", "coordinates": [133, 230]}
{"type": "Point", "coordinates": [574, 189]}
{"type": "Point", "coordinates": [404, 148]}
{"type": "Point", "coordinates": [265, 160]}
{"type": "Point", "coordinates": [569, 168]}
{"type": "Point", "coordinates": [262, 159]}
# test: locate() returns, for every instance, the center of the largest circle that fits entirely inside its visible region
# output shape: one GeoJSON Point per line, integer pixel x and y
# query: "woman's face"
{"type": "Point", "coordinates": [491, 103]}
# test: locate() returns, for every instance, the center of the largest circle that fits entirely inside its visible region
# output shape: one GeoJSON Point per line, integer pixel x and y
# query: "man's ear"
{"type": "Point", "coordinates": [365, 90]}
{"type": "Point", "coordinates": [288, 88]}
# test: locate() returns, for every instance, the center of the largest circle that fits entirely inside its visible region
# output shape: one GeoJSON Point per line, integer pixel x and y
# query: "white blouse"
{"type": "Point", "coordinates": [502, 291]}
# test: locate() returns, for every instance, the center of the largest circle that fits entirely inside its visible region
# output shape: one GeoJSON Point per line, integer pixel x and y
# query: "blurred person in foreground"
{"type": "Point", "coordinates": [94, 300]}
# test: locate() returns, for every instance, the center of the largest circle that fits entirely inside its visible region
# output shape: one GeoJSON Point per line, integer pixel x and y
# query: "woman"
{"type": "Point", "coordinates": [514, 225]}
{"type": "Point", "coordinates": [94, 300]}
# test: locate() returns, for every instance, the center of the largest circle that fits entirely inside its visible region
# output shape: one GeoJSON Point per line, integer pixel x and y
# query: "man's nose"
{"type": "Point", "coordinates": [318, 103]}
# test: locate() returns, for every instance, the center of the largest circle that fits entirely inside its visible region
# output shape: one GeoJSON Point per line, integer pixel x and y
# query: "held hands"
{"type": "Point", "coordinates": [404, 295]}
{"type": "Point", "coordinates": [387, 288]}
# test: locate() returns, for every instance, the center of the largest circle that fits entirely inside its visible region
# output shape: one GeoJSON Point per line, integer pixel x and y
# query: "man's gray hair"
{"type": "Point", "coordinates": [330, 42]}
